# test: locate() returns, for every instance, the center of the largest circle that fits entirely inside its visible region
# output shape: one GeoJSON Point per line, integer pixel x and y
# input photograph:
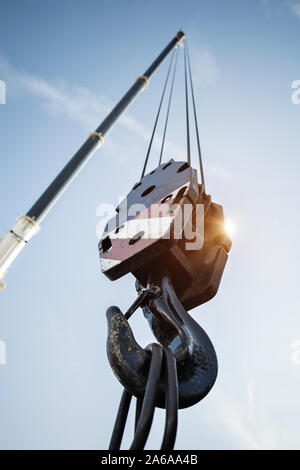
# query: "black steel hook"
{"type": "Point", "coordinates": [174, 329]}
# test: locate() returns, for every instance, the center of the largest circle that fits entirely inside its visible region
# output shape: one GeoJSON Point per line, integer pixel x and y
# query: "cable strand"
{"type": "Point", "coordinates": [118, 431]}
{"type": "Point", "coordinates": [171, 400]}
{"type": "Point", "coordinates": [147, 411]}
{"type": "Point", "coordinates": [168, 110]}
{"type": "Point", "coordinates": [157, 116]}
{"type": "Point", "coordinates": [195, 118]}
{"type": "Point", "coordinates": [188, 141]}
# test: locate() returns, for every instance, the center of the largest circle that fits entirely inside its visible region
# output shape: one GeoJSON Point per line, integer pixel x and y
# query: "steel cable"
{"type": "Point", "coordinates": [168, 110]}
{"type": "Point", "coordinates": [148, 407]}
{"type": "Point", "coordinates": [195, 118]}
{"type": "Point", "coordinates": [171, 392]}
{"type": "Point", "coordinates": [157, 116]}
{"type": "Point", "coordinates": [188, 141]}
{"type": "Point", "coordinates": [119, 426]}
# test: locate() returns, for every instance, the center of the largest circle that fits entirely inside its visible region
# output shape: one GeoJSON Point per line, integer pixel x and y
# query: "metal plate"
{"type": "Point", "coordinates": [145, 226]}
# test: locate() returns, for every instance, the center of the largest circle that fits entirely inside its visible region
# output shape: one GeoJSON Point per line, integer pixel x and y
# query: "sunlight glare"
{"type": "Point", "coordinates": [230, 227]}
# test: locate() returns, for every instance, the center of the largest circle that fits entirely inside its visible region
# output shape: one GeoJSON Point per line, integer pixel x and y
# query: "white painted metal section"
{"type": "Point", "coordinates": [14, 241]}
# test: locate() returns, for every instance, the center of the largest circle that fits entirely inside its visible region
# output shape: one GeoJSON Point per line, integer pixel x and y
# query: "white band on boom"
{"type": "Point", "coordinates": [14, 241]}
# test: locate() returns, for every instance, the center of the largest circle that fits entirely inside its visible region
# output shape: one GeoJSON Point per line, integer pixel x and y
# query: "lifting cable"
{"type": "Point", "coordinates": [161, 360]}
{"type": "Point", "coordinates": [188, 141]}
{"type": "Point", "coordinates": [157, 116]}
{"type": "Point", "coordinates": [188, 81]}
{"type": "Point", "coordinates": [168, 111]}
{"type": "Point", "coordinates": [195, 117]}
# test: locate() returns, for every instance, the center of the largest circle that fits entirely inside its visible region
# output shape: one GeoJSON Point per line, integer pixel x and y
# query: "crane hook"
{"type": "Point", "coordinates": [175, 330]}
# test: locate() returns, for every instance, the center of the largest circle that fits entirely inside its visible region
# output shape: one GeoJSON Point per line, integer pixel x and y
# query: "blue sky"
{"type": "Point", "coordinates": [65, 64]}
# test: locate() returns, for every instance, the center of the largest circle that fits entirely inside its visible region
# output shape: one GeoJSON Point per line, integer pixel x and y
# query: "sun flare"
{"type": "Point", "coordinates": [230, 227]}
